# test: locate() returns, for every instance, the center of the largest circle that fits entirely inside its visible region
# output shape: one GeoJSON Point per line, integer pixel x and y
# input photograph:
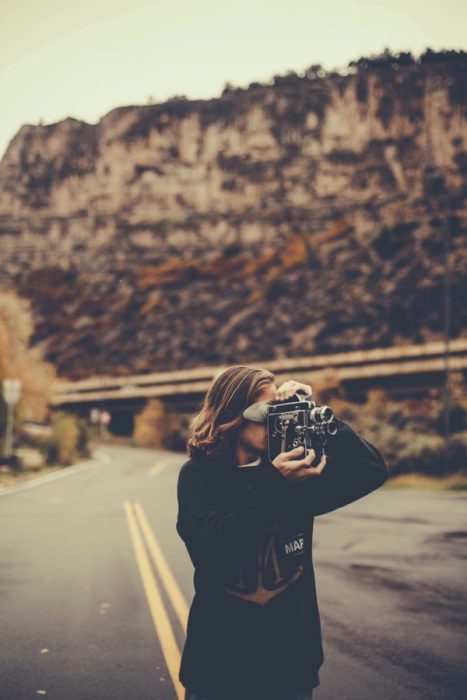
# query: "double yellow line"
{"type": "Point", "coordinates": [141, 534]}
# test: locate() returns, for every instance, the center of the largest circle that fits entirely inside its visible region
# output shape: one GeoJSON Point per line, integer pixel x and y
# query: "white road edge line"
{"type": "Point", "coordinates": [65, 471]}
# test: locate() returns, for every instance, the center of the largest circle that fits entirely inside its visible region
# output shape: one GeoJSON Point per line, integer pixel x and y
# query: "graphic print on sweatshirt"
{"type": "Point", "coordinates": [274, 563]}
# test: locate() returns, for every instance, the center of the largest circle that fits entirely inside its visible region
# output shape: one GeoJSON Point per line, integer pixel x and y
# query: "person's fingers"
{"type": "Point", "coordinates": [289, 388]}
{"type": "Point", "coordinates": [286, 387]}
{"type": "Point", "coordinates": [286, 458]}
{"type": "Point", "coordinates": [285, 391]}
{"type": "Point", "coordinates": [297, 463]}
{"type": "Point", "coordinates": [304, 472]}
{"type": "Point", "coordinates": [292, 453]}
{"type": "Point", "coordinates": [287, 465]}
{"type": "Point", "coordinates": [319, 467]}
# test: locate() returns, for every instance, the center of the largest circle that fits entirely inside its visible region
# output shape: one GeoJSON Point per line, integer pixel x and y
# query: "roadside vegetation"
{"type": "Point", "coordinates": [43, 440]}
{"type": "Point", "coordinates": [409, 433]}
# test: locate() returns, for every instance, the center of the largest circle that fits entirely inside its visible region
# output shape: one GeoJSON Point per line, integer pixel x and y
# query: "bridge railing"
{"type": "Point", "coordinates": [357, 364]}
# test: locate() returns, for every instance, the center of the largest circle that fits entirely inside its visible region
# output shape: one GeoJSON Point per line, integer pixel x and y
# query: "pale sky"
{"type": "Point", "coordinates": [83, 58]}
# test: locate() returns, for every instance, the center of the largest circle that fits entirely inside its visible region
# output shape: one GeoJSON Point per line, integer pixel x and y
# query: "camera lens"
{"type": "Point", "coordinates": [315, 415]}
{"type": "Point", "coordinates": [332, 427]}
{"type": "Point", "coordinates": [326, 413]}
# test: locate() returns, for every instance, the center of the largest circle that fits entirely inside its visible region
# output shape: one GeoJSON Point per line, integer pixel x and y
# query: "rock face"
{"type": "Point", "coordinates": [308, 215]}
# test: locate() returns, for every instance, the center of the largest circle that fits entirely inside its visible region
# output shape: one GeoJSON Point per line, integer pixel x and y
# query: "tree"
{"type": "Point", "coordinates": [19, 360]}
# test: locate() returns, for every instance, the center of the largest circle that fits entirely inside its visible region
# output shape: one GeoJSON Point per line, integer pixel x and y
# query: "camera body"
{"type": "Point", "coordinates": [299, 421]}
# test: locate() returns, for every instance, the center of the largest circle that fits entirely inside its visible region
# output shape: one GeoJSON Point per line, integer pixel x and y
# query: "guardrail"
{"type": "Point", "coordinates": [358, 364]}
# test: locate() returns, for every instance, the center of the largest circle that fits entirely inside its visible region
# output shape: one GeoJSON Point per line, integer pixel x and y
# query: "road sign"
{"type": "Point", "coordinates": [11, 391]}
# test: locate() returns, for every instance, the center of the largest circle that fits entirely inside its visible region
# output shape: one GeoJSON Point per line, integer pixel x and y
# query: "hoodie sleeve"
{"type": "Point", "coordinates": [353, 469]}
{"type": "Point", "coordinates": [213, 532]}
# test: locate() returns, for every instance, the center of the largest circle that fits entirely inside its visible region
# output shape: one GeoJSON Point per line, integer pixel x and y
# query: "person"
{"type": "Point", "coordinates": [253, 628]}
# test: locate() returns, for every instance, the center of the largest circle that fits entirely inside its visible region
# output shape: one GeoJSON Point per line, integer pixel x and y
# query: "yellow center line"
{"type": "Point", "coordinates": [158, 467]}
{"type": "Point", "coordinates": [159, 615]}
{"type": "Point", "coordinates": [168, 579]}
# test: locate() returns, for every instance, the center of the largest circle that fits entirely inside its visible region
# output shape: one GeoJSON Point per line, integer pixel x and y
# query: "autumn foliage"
{"type": "Point", "coordinates": [21, 361]}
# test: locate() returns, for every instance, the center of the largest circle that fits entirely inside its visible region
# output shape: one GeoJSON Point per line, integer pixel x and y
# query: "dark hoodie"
{"type": "Point", "coordinates": [254, 627]}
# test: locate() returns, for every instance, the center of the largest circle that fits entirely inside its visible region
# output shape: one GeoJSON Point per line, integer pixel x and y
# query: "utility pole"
{"type": "Point", "coordinates": [447, 326]}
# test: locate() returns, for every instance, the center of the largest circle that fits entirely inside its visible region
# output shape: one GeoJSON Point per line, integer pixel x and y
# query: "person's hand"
{"type": "Point", "coordinates": [288, 389]}
{"type": "Point", "coordinates": [298, 468]}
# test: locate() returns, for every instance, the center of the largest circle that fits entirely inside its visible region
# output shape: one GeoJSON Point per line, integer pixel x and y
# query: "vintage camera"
{"type": "Point", "coordinates": [298, 421]}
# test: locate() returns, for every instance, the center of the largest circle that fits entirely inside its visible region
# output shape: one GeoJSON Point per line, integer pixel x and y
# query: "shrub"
{"type": "Point", "coordinates": [63, 447]}
{"type": "Point", "coordinates": [85, 436]}
{"type": "Point", "coordinates": [159, 426]}
{"type": "Point", "coordinates": [430, 455]}
{"type": "Point", "coordinates": [148, 425]}
{"type": "Point", "coordinates": [406, 433]}
{"type": "Point", "coordinates": [153, 425]}
{"type": "Point", "coordinates": [456, 418]}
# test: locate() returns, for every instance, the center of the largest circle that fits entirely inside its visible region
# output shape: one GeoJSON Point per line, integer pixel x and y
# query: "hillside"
{"type": "Point", "coordinates": [305, 215]}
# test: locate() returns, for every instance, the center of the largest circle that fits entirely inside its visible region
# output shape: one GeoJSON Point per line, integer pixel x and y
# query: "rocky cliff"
{"type": "Point", "coordinates": [311, 214]}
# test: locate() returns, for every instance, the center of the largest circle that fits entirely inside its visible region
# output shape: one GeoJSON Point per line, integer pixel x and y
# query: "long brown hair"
{"type": "Point", "coordinates": [214, 429]}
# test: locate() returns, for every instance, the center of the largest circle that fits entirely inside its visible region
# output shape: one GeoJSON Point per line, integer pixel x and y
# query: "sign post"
{"type": "Point", "coordinates": [102, 418]}
{"type": "Point", "coordinates": [11, 394]}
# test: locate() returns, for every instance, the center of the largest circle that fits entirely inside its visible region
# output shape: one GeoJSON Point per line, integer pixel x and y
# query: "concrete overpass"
{"type": "Point", "coordinates": [405, 371]}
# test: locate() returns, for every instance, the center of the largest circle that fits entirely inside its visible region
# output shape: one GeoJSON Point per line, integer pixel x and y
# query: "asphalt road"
{"type": "Point", "coordinates": [95, 586]}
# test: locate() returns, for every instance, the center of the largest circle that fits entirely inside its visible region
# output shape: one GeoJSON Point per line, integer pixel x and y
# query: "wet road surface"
{"type": "Point", "coordinates": [95, 586]}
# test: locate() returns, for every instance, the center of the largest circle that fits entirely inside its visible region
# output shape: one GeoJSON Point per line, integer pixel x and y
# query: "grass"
{"type": "Point", "coordinates": [457, 482]}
